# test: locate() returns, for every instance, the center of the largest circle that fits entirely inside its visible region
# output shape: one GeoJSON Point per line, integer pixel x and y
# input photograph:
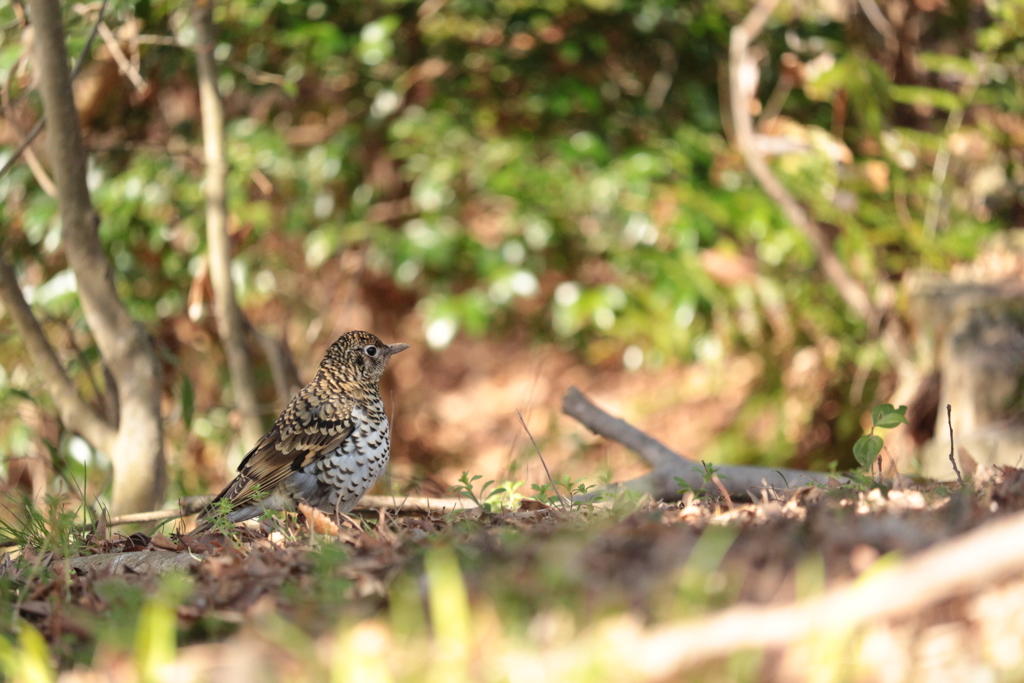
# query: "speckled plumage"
{"type": "Point", "coordinates": [329, 445]}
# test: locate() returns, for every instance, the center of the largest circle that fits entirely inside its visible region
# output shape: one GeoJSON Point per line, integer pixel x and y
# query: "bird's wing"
{"type": "Point", "coordinates": [310, 427]}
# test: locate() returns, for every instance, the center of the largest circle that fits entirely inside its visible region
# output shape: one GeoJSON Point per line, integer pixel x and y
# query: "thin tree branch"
{"type": "Point", "coordinates": [949, 419]}
{"type": "Point", "coordinates": [230, 325]}
{"type": "Point", "coordinates": [742, 89]}
{"type": "Point", "coordinates": [123, 63]}
{"type": "Point", "coordinates": [38, 127]}
{"type": "Point", "coordinates": [34, 165]}
{"type": "Point", "coordinates": [77, 415]}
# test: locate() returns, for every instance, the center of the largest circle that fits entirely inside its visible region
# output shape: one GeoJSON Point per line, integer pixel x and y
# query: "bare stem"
{"type": "Point", "coordinates": [541, 456]}
{"type": "Point", "coordinates": [229, 319]}
{"type": "Point", "coordinates": [949, 419]}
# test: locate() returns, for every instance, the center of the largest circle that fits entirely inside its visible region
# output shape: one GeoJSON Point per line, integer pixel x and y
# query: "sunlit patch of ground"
{"type": "Point", "coordinates": [542, 593]}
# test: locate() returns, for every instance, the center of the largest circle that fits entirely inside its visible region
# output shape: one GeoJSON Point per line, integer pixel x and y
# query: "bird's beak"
{"type": "Point", "coordinates": [396, 348]}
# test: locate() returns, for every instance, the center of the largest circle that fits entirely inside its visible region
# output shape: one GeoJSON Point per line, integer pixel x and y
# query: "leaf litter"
{"type": "Point", "coordinates": [534, 577]}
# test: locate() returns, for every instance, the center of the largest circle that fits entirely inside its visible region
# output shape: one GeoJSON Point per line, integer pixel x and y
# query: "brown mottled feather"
{"type": "Point", "coordinates": [315, 423]}
{"type": "Point", "coordinates": [299, 438]}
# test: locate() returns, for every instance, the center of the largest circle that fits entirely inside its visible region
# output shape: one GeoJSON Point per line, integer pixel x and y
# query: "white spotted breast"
{"type": "Point", "coordinates": [347, 473]}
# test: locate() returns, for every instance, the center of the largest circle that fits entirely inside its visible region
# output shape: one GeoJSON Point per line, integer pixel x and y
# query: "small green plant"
{"type": "Point", "coordinates": [465, 488]}
{"type": "Point", "coordinates": [544, 493]}
{"type": "Point", "coordinates": [707, 472]}
{"type": "Point", "coordinates": [218, 516]}
{"type": "Point", "coordinates": [684, 488]}
{"type": "Point", "coordinates": [219, 511]}
{"type": "Point", "coordinates": [504, 498]}
{"type": "Point", "coordinates": [50, 527]}
{"type": "Point", "coordinates": [549, 495]}
{"type": "Point", "coordinates": [869, 447]}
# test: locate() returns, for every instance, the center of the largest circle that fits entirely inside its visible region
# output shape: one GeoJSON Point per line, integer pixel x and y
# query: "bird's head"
{"type": "Point", "coordinates": [360, 356]}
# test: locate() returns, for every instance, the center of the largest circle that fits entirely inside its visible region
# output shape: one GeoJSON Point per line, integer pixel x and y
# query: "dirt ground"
{"type": "Point", "coordinates": [550, 584]}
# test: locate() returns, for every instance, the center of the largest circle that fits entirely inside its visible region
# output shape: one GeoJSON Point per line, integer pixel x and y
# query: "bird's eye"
{"type": "Point", "coordinates": [371, 351]}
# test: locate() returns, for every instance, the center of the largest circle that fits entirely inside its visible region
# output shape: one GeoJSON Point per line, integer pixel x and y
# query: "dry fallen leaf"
{"type": "Point", "coordinates": [318, 522]}
{"type": "Point", "coordinates": [162, 542]}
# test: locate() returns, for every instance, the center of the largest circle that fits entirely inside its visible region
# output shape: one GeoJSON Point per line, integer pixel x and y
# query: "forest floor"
{"type": "Point", "coordinates": [837, 582]}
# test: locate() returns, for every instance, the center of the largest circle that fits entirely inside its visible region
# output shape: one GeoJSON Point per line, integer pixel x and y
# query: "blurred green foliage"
{"type": "Point", "coordinates": [557, 166]}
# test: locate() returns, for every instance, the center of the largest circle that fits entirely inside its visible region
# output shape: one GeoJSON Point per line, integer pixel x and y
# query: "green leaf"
{"type": "Point", "coordinates": [948, 64]}
{"type": "Point", "coordinates": [188, 401]}
{"type": "Point", "coordinates": [867, 449]}
{"type": "Point", "coordinates": [921, 95]}
{"type": "Point", "coordinates": [887, 417]}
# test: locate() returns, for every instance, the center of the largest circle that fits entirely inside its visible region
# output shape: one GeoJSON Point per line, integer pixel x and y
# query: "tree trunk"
{"type": "Point", "coordinates": [230, 324]}
{"type": "Point", "coordinates": [137, 450]}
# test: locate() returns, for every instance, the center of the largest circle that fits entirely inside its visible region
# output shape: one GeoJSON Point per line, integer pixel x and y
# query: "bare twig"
{"type": "Point", "coordinates": [941, 166]}
{"type": "Point", "coordinates": [124, 65]}
{"type": "Point", "coordinates": [280, 361]}
{"type": "Point", "coordinates": [34, 165]}
{"type": "Point", "coordinates": [230, 325]}
{"type": "Point", "coordinates": [38, 127]}
{"type": "Point", "coordinates": [186, 506]}
{"type": "Point", "coordinates": [742, 90]}
{"type": "Point", "coordinates": [949, 419]}
{"type": "Point", "coordinates": [145, 517]}
{"type": "Point", "coordinates": [882, 25]}
{"type": "Point", "coordinates": [541, 456]}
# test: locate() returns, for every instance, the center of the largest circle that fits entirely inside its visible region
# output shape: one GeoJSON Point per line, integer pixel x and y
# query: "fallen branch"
{"type": "Point", "coordinates": [415, 504]}
{"type": "Point", "coordinates": [927, 579]}
{"type": "Point", "coordinates": [149, 562]}
{"type": "Point", "coordinates": [186, 506]}
{"type": "Point", "coordinates": [193, 504]}
{"type": "Point", "coordinates": [668, 466]}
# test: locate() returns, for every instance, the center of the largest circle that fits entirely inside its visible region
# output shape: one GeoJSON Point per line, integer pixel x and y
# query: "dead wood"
{"type": "Point", "coordinates": [415, 504]}
{"type": "Point", "coordinates": [929, 578]}
{"type": "Point", "coordinates": [150, 562]}
{"type": "Point", "coordinates": [668, 465]}
{"type": "Point", "coordinates": [186, 506]}
{"type": "Point", "coordinates": [193, 504]}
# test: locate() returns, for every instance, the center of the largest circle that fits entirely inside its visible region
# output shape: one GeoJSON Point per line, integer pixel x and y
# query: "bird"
{"type": "Point", "coordinates": [328, 446]}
